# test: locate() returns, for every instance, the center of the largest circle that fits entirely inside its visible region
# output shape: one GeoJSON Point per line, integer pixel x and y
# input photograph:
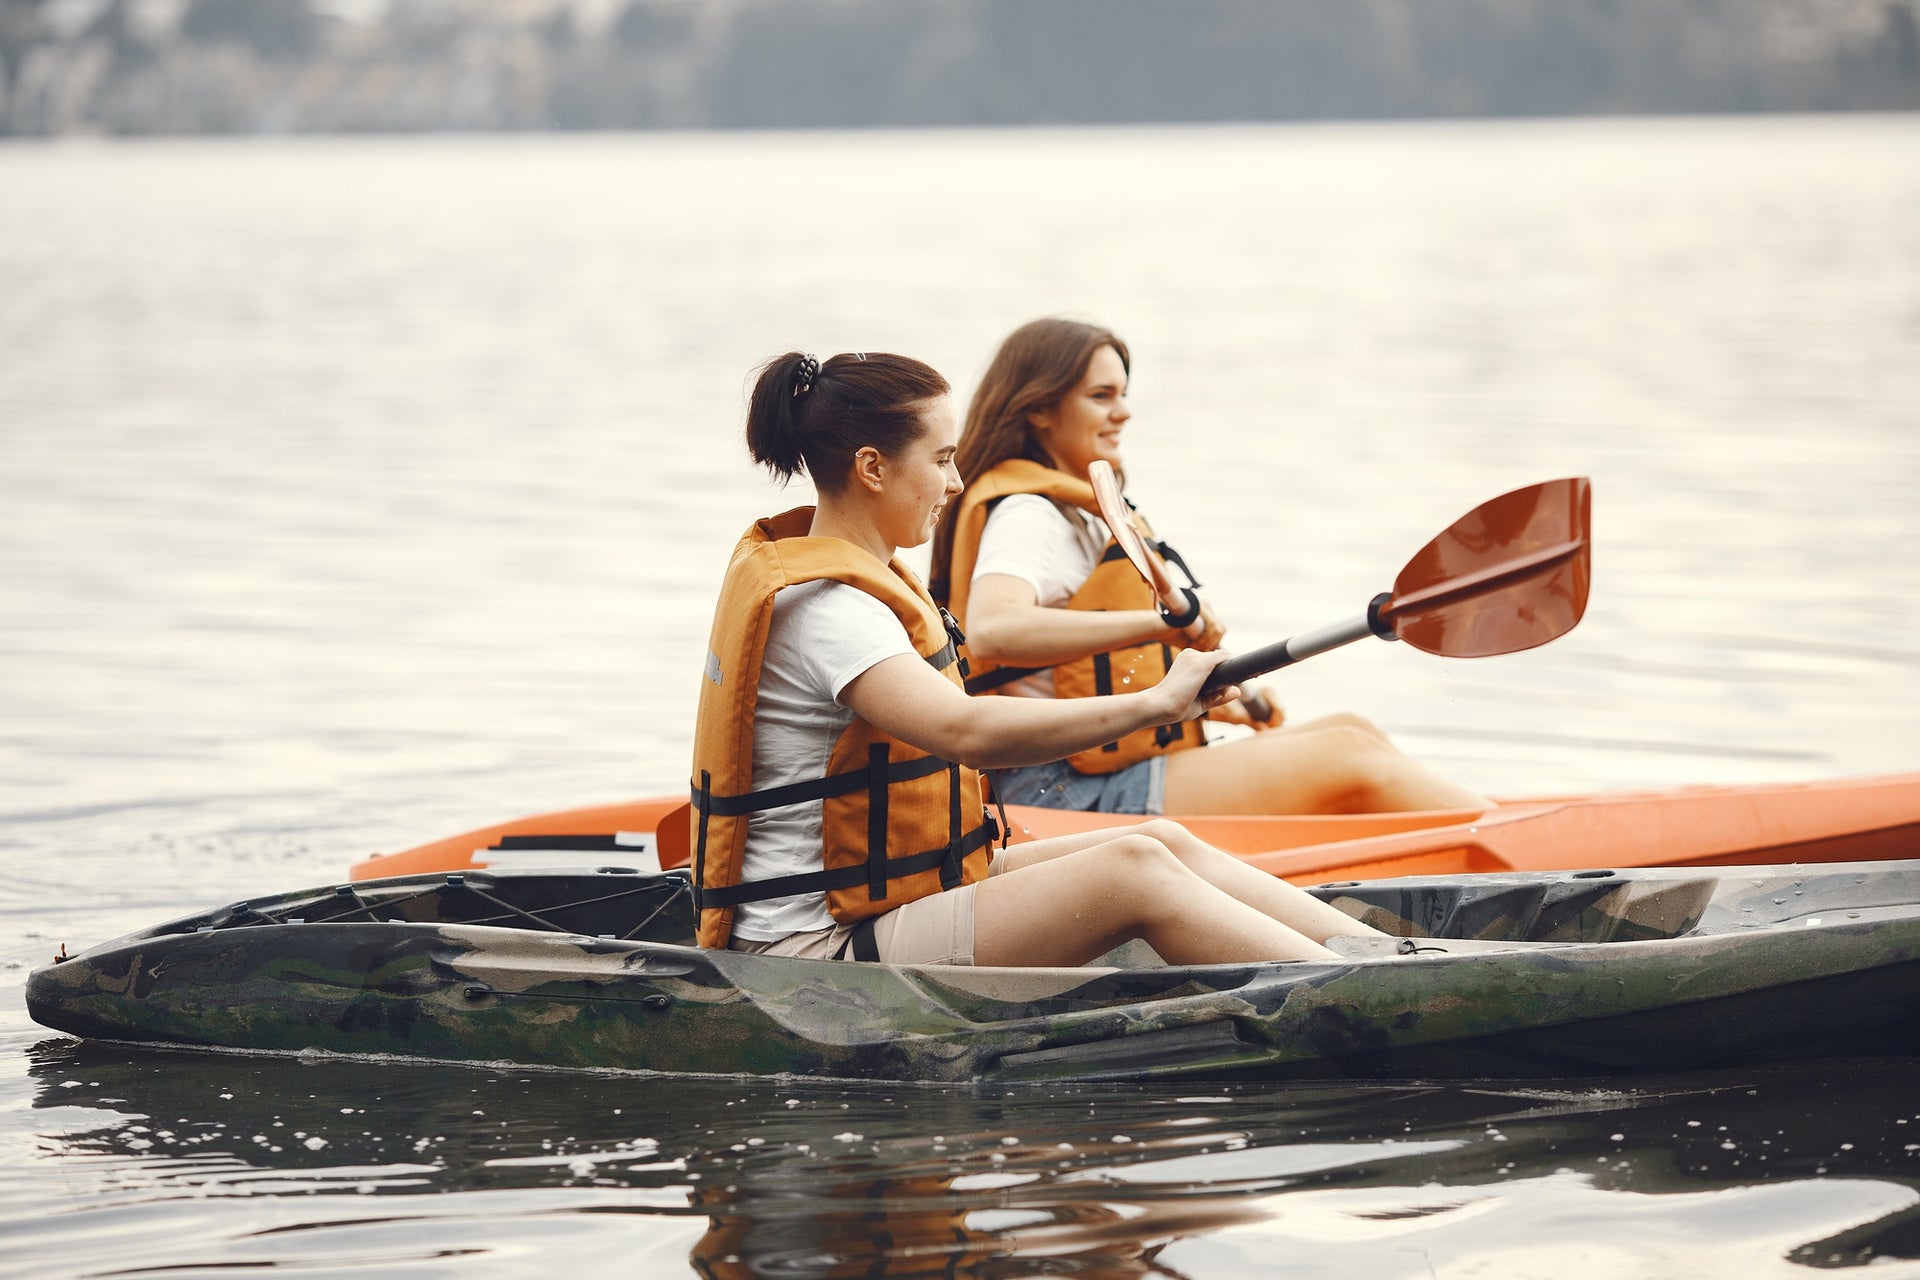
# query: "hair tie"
{"type": "Point", "coordinates": [809, 370]}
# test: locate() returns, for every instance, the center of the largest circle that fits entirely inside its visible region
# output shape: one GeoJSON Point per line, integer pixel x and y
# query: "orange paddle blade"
{"type": "Point", "coordinates": [1511, 574]}
{"type": "Point", "coordinates": [1114, 510]}
{"type": "Point", "coordinates": [674, 838]}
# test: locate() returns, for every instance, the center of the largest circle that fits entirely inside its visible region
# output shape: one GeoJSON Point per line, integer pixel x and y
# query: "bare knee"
{"type": "Point", "coordinates": [1373, 768]}
{"type": "Point", "coordinates": [1167, 832]}
{"type": "Point", "coordinates": [1193, 853]}
{"type": "Point", "coordinates": [1348, 722]}
{"type": "Point", "coordinates": [1140, 869]}
{"type": "Point", "coordinates": [1138, 852]}
{"type": "Point", "coordinates": [1162, 831]}
{"type": "Point", "coordinates": [1358, 740]}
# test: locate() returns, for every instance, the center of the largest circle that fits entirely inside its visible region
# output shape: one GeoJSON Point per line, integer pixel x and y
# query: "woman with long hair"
{"type": "Point", "coordinates": [837, 807]}
{"type": "Point", "coordinates": [1052, 611]}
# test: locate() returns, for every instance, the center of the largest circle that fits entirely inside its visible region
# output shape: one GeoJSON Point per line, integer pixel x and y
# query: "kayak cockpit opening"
{"type": "Point", "coordinates": [610, 902]}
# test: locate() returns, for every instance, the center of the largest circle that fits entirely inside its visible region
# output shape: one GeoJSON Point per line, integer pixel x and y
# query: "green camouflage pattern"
{"type": "Point", "coordinates": [1508, 975]}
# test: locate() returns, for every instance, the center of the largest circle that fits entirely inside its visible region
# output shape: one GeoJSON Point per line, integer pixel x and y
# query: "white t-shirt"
{"type": "Point", "coordinates": [1028, 538]}
{"type": "Point", "coordinates": [823, 634]}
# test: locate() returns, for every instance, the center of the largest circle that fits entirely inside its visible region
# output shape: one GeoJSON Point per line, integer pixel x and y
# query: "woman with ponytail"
{"type": "Point", "coordinates": [1024, 560]}
{"type": "Point", "coordinates": [837, 808]}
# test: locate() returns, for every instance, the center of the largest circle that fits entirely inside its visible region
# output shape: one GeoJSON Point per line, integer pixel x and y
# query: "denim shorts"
{"type": "Point", "coordinates": [1138, 788]}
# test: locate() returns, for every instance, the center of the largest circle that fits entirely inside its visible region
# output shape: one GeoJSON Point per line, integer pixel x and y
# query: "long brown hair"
{"type": "Point", "coordinates": [1035, 368]}
{"type": "Point", "coordinates": [805, 415]}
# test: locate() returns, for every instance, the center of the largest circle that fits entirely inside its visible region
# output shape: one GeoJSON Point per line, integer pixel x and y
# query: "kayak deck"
{"type": "Point", "coordinates": [1843, 820]}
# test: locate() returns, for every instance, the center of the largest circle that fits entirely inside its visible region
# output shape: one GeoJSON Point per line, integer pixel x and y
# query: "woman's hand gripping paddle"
{"type": "Point", "coordinates": [1175, 601]}
{"type": "Point", "coordinates": [1509, 575]}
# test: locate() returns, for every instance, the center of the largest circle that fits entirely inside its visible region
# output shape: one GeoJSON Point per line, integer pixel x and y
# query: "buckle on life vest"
{"type": "Point", "coordinates": [957, 637]}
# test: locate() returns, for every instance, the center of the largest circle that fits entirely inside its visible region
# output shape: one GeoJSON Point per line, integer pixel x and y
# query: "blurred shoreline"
{"type": "Point", "coordinates": [174, 67]}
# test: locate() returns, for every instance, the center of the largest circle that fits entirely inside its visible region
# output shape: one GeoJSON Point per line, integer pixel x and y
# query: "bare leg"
{"type": "Point", "coordinates": [1345, 718]}
{"type": "Point", "coordinates": [1265, 893]}
{"type": "Point", "coordinates": [1342, 764]}
{"type": "Point", "coordinates": [1068, 909]}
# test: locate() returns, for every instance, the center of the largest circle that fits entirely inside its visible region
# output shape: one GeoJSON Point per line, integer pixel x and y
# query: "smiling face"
{"type": "Point", "coordinates": [1086, 423]}
{"type": "Point", "coordinates": [921, 477]}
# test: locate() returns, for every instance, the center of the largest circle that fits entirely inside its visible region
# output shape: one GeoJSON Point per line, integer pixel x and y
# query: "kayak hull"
{"type": "Point", "coordinates": [1515, 975]}
{"type": "Point", "coordinates": [1841, 820]}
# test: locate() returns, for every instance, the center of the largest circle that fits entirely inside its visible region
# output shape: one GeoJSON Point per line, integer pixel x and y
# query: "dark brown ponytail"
{"type": "Point", "coordinates": [813, 416]}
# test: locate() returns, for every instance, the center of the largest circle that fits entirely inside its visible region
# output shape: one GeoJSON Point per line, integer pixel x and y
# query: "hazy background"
{"type": "Point", "coordinates": [366, 486]}
{"type": "Point", "coordinates": [288, 66]}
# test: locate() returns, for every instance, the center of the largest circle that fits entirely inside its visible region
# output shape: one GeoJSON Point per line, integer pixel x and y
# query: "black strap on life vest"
{"type": "Point", "coordinates": [1103, 685]}
{"type": "Point", "coordinates": [879, 774]}
{"type": "Point", "coordinates": [956, 838]}
{"type": "Point", "coordinates": [1164, 549]}
{"type": "Point", "coordinates": [861, 943]}
{"type": "Point", "coordinates": [1000, 676]}
{"type": "Point", "coordinates": [1168, 554]}
{"type": "Point", "coordinates": [1167, 734]}
{"type": "Point", "coordinates": [948, 656]}
{"type": "Point", "coordinates": [701, 794]}
{"type": "Point", "coordinates": [877, 821]}
{"type": "Point", "coordinates": [875, 777]}
{"type": "Point", "coordinates": [826, 880]}
{"type": "Point", "coordinates": [834, 784]}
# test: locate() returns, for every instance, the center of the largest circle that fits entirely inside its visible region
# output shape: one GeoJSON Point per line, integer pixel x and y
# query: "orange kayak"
{"type": "Point", "coordinates": [1843, 820]}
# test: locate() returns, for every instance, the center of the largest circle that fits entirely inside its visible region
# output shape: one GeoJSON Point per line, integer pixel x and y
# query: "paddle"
{"type": "Point", "coordinates": [1509, 575]}
{"type": "Point", "coordinates": [1175, 601]}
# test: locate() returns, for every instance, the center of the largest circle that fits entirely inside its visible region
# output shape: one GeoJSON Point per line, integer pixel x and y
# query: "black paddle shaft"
{"type": "Point", "coordinates": [1245, 666]}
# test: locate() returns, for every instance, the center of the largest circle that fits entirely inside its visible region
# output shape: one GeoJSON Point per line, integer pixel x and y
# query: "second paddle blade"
{"type": "Point", "coordinates": [1511, 574]}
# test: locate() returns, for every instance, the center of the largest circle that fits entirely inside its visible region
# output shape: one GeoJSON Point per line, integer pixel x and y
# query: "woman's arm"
{"type": "Point", "coordinates": [1007, 625]}
{"type": "Point", "coordinates": [1033, 551]}
{"type": "Point", "coordinates": [908, 699]}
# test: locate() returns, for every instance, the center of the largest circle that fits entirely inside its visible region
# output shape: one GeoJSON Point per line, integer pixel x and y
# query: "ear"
{"type": "Point", "coordinates": [1041, 419]}
{"type": "Point", "coordinates": [870, 468]}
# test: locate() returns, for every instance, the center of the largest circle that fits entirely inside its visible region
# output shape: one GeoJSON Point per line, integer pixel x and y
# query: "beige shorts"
{"type": "Point", "coordinates": [936, 929]}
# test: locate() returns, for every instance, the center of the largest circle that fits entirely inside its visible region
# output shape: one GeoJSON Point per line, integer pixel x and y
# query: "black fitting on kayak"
{"type": "Point", "coordinates": [1377, 616]}
{"type": "Point", "coordinates": [1181, 621]}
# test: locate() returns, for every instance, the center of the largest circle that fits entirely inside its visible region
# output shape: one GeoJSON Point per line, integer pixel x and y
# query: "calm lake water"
{"type": "Point", "coordinates": [360, 492]}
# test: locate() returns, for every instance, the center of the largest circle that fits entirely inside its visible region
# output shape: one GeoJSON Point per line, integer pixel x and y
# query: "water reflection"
{"type": "Point", "coordinates": [794, 1178]}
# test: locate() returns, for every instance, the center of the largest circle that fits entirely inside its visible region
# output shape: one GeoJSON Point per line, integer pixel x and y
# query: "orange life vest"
{"type": "Point", "coordinates": [898, 823]}
{"type": "Point", "coordinates": [1113, 584]}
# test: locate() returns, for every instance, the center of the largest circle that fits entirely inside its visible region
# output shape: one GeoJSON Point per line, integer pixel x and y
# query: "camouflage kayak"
{"type": "Point", "coordinates": [1515, 974]}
